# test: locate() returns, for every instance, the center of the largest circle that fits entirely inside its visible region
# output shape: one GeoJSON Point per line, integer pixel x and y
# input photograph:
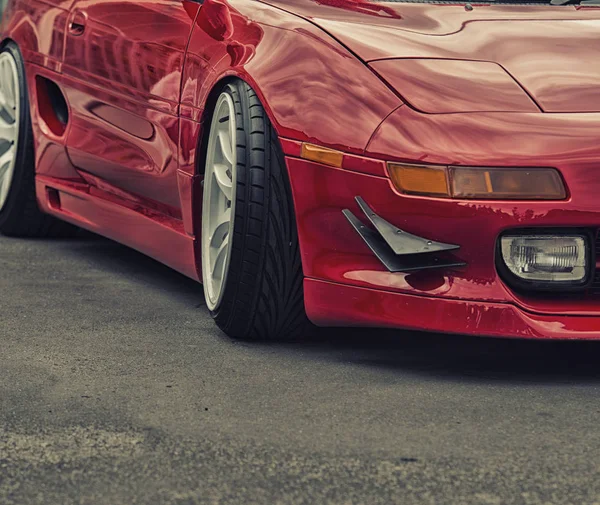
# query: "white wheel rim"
{"type": "Point", "coordinates": [9, 122]}
{"type": "Point", "coordinates": [218, 203]}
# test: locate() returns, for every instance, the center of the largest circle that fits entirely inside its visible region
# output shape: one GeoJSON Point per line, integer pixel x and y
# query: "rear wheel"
{"type": "Point", "coordinates": [251, 266]}
{"type": "Point", "coordinates": [19, 212]}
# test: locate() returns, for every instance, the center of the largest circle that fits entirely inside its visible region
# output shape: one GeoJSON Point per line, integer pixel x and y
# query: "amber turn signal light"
{"type": "Point", "coordinates": [322, 155]}
{"type": "Point", "coordinates": [420, 180]}
{"type": "Point", "coordinates": [478, 183]}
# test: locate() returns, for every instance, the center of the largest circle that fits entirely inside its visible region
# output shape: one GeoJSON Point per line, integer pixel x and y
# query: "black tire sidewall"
{"type": "Point", "coordinates": [23, 177]}
{"type": "Point", "coordinates": [263, 293]}
{"type": "Point", "coordinates": [225, 311]}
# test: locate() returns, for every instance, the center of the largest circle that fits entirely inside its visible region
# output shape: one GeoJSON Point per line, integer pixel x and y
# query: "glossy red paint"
{"type": "Point", "coordinates": [139, 227]}
{"type": "Point", "coordinates": [425, 83]}
{"type": "Point", "coordinates": [122, 78]}
{"type": "Point", "coordinates": [39, 27]}
{"type": "Point", "coordinates": [287, 51]}
{"type": "Point", "coordinates": [332, 251]}
{"type": "Point", "coordinates": [549, 51]}
{"type": "Point", "coordinates": [443, 86]}
{"type": "Point", "coordinates": [369, 307]}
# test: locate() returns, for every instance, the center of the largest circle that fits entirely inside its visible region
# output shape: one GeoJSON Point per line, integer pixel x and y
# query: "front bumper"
{"type": "Point", "coordinates": [347, 284]}
{"type": "Point", "coordinates": [329, 304]}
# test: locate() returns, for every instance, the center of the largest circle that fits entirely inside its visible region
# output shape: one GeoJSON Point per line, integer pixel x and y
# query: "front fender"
{"type": "Point", "coordinates": [313, 88]}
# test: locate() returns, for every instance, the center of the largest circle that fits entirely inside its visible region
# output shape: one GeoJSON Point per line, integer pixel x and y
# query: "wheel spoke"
{"type": "Point", "coordinates": [4, 84]}
{"type": "Point", "coordinates": [7, 116]}
{"type": "Point", "coordinates": [220, 228]}
{"type": "Point", "coordinates": [5, 160]}
{"type": "Point", "coordinates": [8, 131]}
{"type": "Point", "coordinates": [6, 169]}
{"type": "Point", "coordinates": [8, 86]}
{"type": "Point", "coordinates": [225, 146]}
{"type": "Point", "coordinates": [218, 262]}
{"type": "Point", "coordinates": [3, 100]}
{"type": "Point", "coordinates": [4, 186]}
{"type": "Point", "coordinates": [223, 181]}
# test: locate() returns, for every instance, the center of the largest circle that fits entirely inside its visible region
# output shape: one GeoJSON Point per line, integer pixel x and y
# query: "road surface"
{"type": "Point", "coordinates": [116, 388]}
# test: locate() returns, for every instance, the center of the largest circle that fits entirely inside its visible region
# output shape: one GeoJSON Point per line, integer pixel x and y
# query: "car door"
{"type": "Point", "coordinates": [122, 76]}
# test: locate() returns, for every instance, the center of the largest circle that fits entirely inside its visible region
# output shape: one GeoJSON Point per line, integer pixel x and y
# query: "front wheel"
{"type": "Point", "coordinates": [251, 268]}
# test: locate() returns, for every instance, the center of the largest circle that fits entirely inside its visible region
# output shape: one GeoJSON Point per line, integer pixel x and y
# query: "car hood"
{"type": "Point", "coordinates": [551, 52]}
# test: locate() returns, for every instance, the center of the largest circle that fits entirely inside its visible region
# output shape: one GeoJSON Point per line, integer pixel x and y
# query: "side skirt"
{"type": "Point", "coordinates": [152, 233]}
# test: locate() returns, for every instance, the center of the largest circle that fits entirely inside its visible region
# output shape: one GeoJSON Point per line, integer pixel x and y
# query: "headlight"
{"type": "Point", "coordinates": [478, 183]}
{"type": "Point", "coordinates": [547, 259]}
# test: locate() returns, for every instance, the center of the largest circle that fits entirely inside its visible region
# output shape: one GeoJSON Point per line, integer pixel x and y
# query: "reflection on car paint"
{"type": "Point", "coordinates": [139, 81]}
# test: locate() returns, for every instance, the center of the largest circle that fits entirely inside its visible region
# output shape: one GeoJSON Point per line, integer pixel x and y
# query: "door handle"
{"type": "Point", "coordinates": [77, 23]}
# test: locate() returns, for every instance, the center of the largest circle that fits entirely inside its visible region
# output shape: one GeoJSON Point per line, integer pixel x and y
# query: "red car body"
{"type": "Point", "coordinates": [462, 85]}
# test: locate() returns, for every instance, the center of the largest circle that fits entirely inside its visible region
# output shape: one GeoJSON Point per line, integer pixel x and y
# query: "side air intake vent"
{"type": "Point", "coordinates": [52, 105]}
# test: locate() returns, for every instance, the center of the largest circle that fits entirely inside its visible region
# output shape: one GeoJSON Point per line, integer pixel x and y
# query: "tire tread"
{"type": "Point", "coordinates": [264, 298]}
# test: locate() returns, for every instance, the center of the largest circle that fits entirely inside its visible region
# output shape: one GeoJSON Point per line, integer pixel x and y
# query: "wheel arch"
{"type": "Point", "coordinates": [7, 40]}
{"type": "Point", "coordinates": [311, 87]}
{"type": "Point", "coordinates": [20, 29]}
{"type": "Point", "coordinates": [206, 117]}
{"type": "Point", "coordinates": [215, 89]}
{"type": "Point", "coordinates": [29, 28]}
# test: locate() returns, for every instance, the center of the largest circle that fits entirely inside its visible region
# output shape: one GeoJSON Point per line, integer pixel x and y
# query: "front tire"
{"type": "Point", "coordinates": [251, 266]}
{"type": "Point", "coordinates": [19, 212]}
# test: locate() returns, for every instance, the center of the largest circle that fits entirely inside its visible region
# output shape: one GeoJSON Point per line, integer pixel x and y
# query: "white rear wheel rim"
{"type": "Point", "coordinates": [218, 202]}
{"type": "Point", "coordinates": [9, 122]}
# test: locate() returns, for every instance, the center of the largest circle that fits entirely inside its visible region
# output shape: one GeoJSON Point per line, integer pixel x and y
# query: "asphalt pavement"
{"type": "Point", "coordinates": [116, 388]}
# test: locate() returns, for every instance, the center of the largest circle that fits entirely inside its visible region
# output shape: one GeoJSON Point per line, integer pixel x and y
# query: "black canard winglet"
{"type": "Point", "coordinates": [398, 250]}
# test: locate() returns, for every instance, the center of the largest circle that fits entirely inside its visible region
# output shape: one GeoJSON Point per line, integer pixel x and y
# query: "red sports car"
{"type": "Point", "coordinates": [418, 164]}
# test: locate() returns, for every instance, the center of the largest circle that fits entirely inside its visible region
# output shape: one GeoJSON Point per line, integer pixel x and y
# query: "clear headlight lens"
{"type": "Point", "coordinates": [507, 183]}
{"type": "Point", "coordinates": [546, 258]}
